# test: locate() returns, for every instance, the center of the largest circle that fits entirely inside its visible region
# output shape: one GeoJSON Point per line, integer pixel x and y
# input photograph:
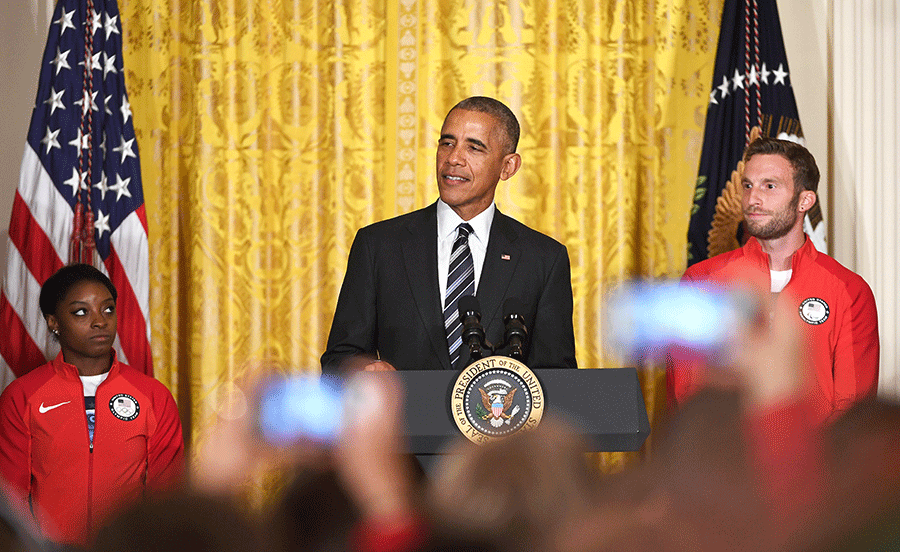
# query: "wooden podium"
{"type": "Point", "coordinates": [606, 406]}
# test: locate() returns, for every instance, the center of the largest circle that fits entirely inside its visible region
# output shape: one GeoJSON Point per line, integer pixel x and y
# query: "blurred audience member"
{"type": "Point", "coordinates": [739, 467]}
{"type": "Point", "coordinates": [185, 521]}
{"type": "Point", "coordinates": [313, 513]}
{"type": "Point", "coordinates": [697, 492]}
{"type": "Point", "coordinates": [356, 491]}
{"type": "Point", "coordinates": [863, 505]}
{"type": "Point", "coordinates": [516, 492]}
{"type": "Point", "coordinates": [16, 533]}
{"type": "Point", "coordinates": [371, 460]}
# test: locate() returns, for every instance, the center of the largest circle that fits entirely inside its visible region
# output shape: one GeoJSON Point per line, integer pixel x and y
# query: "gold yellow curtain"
{"type": "Point", "coordinates": [271, 130]}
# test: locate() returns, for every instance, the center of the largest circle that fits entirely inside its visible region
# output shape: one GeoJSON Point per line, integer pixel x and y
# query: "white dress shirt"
{"type": "Point", "coordinates": [447, 223]}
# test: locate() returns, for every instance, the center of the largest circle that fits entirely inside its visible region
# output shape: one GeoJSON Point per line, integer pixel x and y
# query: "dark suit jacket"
{"type": "Point", "coordinates": [390, 302]}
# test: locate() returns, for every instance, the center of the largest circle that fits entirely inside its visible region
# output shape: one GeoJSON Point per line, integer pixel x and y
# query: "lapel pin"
{"type": "Point", "coordinates": [505, 257]}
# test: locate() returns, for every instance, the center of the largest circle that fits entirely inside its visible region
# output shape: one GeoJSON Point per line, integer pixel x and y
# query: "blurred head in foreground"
{"type": "Point", "coordinates": [313, 513]}
{"type": "Point", "coordinates": [516, 492]}
{"type": "Point", "coordinates": [179, 522]}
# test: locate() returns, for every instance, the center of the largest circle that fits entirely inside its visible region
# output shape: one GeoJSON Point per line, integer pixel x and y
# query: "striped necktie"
{"type": "Point", "coordinates": [460, 281]}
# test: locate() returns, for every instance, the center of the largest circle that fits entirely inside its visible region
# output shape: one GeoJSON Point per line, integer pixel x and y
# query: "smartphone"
{"type": "Point", "coordinates": [646, 321]}
{"type": "Point", "coordinates": [300, 408]}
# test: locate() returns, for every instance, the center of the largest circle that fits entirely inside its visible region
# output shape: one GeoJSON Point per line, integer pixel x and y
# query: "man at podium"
{"type": "Point", "coordinates": [397, 308]}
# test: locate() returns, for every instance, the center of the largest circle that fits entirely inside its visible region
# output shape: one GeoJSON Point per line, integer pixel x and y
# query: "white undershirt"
{"type": "Point", "coordinates": [447, 223]}
{"type": "Point", "coordinates": [91, 383]}
{"type": "Point", "coordinates": [780, 278]}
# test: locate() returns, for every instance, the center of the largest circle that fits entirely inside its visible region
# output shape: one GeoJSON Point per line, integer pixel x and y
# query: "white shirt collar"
{"type": "Point", "coordinates": [448, 221]}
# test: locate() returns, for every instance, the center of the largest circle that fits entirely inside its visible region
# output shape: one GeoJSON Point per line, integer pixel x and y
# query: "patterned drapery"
{"type": "Point", "coordinates": [271, 130]}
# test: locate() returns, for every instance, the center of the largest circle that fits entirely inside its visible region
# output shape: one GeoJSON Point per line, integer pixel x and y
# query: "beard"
{"type": "Point", "coordinates": [778, 225]}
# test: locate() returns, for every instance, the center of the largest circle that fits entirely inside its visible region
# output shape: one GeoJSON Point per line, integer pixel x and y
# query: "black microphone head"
{"type": "Point", "coordinates": [513, 306]}
{"type": "Point", "coordinates": [468, 306]}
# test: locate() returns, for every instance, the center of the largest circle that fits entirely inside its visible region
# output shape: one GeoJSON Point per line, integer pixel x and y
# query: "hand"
{"type": "Point", "coordinates": [379, 366]}
{"type": "Point", "coordinates": [369, 455]}
{"type": "Point", "coordinates": [769, 359]}
{"type": "Point", "coordinates": [233, 452]}
{"type": "Point", "coordinates": [365, 363]}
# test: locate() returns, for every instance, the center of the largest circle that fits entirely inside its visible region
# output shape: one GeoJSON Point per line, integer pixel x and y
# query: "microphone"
{"type": "Point", "coordinates": [516, 335]}
{"type": "Point", "coordinates": [473, 331]}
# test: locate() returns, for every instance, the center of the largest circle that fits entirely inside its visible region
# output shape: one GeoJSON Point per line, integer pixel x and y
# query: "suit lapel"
{"type": "Point", "coordinates": [500, 261]}
{"type": "Point", "coordinates": [420, 259]}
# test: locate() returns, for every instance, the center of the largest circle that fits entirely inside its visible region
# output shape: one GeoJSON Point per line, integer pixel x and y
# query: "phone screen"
{"type": "Point", "coordinates": [648, 320]}
{"type": "Point", "coordinates": [300, 408]}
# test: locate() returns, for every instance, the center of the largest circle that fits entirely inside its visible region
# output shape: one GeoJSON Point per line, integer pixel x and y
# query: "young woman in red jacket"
{"type": "Point", "coordinates": [85, 433]}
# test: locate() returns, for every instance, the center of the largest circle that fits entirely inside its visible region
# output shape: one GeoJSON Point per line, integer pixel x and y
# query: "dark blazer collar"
{"type": "Point", "coordinates": [419, 246]}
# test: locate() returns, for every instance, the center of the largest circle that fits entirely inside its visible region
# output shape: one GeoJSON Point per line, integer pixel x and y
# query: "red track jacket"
{"type": "Point", "coordinates": [46, 456]}
{"type": "Point", "coordinates": [841, 322]}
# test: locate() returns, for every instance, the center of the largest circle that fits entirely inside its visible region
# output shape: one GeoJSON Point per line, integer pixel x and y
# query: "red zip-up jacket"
{"type": "Point", "coordinates": [838, 314]}
{"type": "Point", "coordinates": [47, 458]}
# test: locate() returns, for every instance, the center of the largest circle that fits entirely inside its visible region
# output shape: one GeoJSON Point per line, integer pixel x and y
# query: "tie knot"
{"type": "Point", "coordinates": [464, 230]}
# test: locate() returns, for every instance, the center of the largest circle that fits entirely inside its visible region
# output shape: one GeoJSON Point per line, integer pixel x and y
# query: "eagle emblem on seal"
{"type": "Point", "coordinates": [497, 405]}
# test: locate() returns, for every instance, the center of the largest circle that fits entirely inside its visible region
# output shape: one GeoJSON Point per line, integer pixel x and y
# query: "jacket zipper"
{"type": "Point", "coordinates": [90, 493]}
{"type": "Point", "coordinates": [90, 497]}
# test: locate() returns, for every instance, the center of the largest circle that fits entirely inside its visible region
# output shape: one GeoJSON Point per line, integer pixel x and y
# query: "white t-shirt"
{"type": "Point", "coordinates": [780, 278]}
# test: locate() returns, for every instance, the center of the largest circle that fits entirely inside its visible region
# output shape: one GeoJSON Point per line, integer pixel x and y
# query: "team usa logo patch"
{"type": "Point", "coordinates": [124, 407]}
{"type": "Point", "coordinates": [496, 397]}
{"type": "Point", "coordinates": [814, 311]}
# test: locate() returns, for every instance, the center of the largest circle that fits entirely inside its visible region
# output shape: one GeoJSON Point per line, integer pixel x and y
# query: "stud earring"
{"type": "Point", "coordinates": [55, 332]}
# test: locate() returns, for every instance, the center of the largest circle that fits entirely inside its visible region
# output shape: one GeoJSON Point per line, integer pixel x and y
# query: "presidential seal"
{"type": "Point", "coordinates": [814, 311]}
{"type": "Point", "coordinates": [496, 397]}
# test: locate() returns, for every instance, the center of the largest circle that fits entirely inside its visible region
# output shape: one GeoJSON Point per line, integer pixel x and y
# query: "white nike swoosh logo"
{"type": "Point", "coordinates": [42, 409]}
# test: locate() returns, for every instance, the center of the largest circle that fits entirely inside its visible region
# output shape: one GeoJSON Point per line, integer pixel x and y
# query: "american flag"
{"type": "Point", "coordinates": [81, 154]}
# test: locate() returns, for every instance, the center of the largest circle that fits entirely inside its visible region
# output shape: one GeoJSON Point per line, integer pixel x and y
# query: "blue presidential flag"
{"type": "Point", "coordinates": [751, 88]}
